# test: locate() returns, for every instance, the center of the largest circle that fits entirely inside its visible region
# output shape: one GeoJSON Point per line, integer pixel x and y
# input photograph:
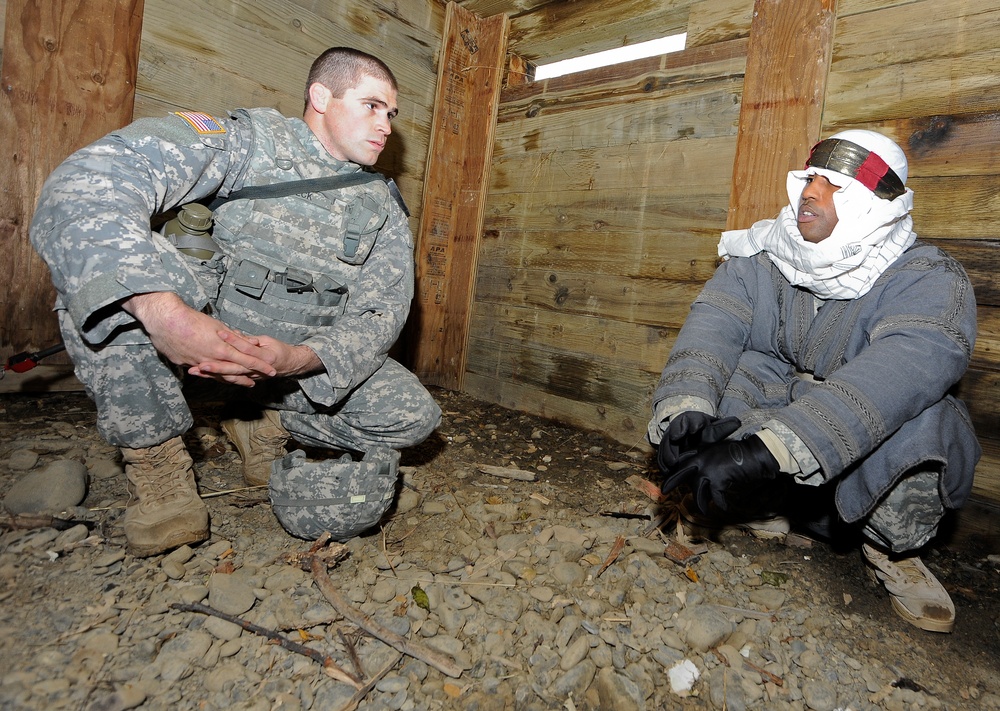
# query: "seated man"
{"type": "Point", "coordinates": [812, 374]}
{"type": "Point", "coordinates": [296, 310]}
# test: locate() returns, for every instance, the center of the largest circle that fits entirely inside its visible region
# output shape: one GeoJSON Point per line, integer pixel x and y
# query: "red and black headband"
{"type": "Point", "coordinates": [859, 163]}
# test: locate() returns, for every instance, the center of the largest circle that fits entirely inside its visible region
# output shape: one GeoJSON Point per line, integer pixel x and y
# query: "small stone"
{"type": "Point", "coordinates": [58, 486]}
{"type": "Point", "coordinates": [618, 692]}
{"type": "Point", "coordinates": [102, 469]}
{"type": "Point", "coordinates": [229, 594]}
{"type": "Point", "coordinates": [819, 695]}
{"type": "Point", "coordinates": [21, 460]}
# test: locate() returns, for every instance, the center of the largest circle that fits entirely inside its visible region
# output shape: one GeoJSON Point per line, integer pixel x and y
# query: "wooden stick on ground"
{"type": "Point", "coordinates": [441, 662]}
{"type": "Point", "coordinates": [331, 667]}
{"type": "Point", "coordinates": [361, 693]}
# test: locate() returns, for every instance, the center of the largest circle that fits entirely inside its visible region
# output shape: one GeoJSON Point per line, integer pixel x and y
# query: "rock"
{"type": "Point", "coordinates": [707, 627]}
{"type": "Point", "coordinates": [618, 692]}
{"type": "Point", "coordinates": [21, 460]}
{"type": "Point", "coordinates": [105, 469]}
{"type": "Point", "coordinates": [58, 486]}
{"type": "Point", "coordinates": [768, 598]}
{"type": "Point", "coordinates": [819, 695]}
{"type": "Point", "coordinates": [229, 594]}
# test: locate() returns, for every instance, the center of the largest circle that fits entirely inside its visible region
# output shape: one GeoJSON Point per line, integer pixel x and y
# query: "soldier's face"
{"type": "Point", "coordinates": [817, 215]}
{"type": "Point", "coordinates": [355, 127]}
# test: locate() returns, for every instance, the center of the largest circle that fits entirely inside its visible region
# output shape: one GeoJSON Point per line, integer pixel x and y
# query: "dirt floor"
{"type": "Point", "coordinates": [586, 476]}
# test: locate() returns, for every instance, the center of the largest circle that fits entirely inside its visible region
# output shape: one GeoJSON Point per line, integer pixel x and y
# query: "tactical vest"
{"type": "Point", "coordinates": [291, 263]}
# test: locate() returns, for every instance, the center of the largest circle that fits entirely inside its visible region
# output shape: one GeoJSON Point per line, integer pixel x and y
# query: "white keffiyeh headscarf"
{"type": "Point", "coordinates": [870, 234]}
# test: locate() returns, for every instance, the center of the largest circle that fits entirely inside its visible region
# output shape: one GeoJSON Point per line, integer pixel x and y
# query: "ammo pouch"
{"type": "Point", "coordinates": [342, 497]}
{"type": "Point", "coordinates": [288, 304]}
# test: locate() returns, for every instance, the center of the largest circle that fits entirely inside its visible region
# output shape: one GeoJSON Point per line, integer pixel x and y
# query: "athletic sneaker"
{"type": "Point", "coordinates": [916, 594]}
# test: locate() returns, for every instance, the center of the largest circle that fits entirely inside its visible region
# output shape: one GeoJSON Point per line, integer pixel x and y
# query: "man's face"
{"type": "Point", "coordinates": [355, 126]}
{"type": "Point", "coordinates": [817, 215]}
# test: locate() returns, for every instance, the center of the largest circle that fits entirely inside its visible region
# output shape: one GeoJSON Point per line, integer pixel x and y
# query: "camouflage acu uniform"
{"type": "Point", "coordinates": [856, 390]}
{"type": "Point", "coordinates": [92, 227]}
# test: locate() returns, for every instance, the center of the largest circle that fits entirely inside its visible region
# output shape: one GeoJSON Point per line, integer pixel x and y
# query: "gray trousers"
{"type": "Point", "coordinates": [897, 506]}
{"type": "Point", "coordinates": [140, 402]}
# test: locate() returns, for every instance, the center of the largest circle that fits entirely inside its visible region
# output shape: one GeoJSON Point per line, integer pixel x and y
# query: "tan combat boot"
{"type": "Point", "coordinates": [259, 443]}
{"type": "Point", "coordinates": [165, 510]}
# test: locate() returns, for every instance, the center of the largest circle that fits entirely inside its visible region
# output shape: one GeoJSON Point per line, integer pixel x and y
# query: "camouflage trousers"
{"type": "Point", "coordinates": [909, 515]}
{"type": "Point", "coordinates": [141, 403]}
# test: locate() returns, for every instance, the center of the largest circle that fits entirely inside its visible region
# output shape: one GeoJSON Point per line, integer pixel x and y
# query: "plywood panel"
{"type": "Point", "coordinates": [946, 207]}
{"type": "Point", "coordinates": [655, 302]}
{"type": "Point", "coordinates": [711, 22]}
{"type": "Point", "coordinates": [689, 164]}
{"type": "Point", "coordinates": [563, 373]}
{"type": "Point", "coordinates": [471, 74]}
{"type": "Point", "coordinates": [633, 346]}
{"type": "Point", "coordinates": [949, 86]}
{"type": "Point", "coordinates": [651, 254]}
{"type": "Point", "coordinates": [573, 29]}
{"type": "Point", "coordinates": [894, 36]}
{"type": "Point", "coordinates": [621, 425]}
{"type": "Point", "coordinates": [780, 115]}
{"type": "Point", "coordinates": [981, 259]}
{"type": "Point", "coordinates": [943, 144]}
{"type": "Point", "coordinates": [612, 210]}
{"type": "Point", "coordinates": [69, 71]}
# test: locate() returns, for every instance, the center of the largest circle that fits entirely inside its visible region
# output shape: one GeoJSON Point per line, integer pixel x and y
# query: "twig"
{"type": "Point", "coordinates": [352, 653]}
{"type": "Point", "coordinates": [319, 549]}
{"type": "Point", "coordinates": [506, 472]}
{"type": "Point", "coordinates": [616, 550]}
{"type": "Point", "coordinates": [363, 691]}
{"type": "Point", "coordinates": [460, 507]}
{"type": "Point", "coordinates": [746, 613]}
{"type": "Point", "coordinates": [224, 492]}
{"type": "Point", "coordinates": [773, 678]}
{"type": "Point", "coordinates": [385, 552]}
{"type": "Point", "coordinates": [328, 664]}
{"type": "Point", "coordinates": [439, 661]}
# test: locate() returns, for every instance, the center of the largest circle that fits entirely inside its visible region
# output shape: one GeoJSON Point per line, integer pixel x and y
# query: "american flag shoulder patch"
{"type": "Point", "coordinates": [201, 123]}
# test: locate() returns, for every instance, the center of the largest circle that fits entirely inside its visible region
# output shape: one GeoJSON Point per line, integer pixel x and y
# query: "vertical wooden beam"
{"type": "Point", "coordinates": [788, 60]}
{"type": "Point", "coordinates": [68, 77]}
{"type": "Point", "coordinates": [470, 74]}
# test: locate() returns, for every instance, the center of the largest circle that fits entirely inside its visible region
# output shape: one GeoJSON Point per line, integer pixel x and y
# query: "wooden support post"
{"type": "Point", "coordinates": [788, 60]}
{"type": "Point", "coordinates": [470, 74]}
{"type": "Point", "coordinates": [68, 77]}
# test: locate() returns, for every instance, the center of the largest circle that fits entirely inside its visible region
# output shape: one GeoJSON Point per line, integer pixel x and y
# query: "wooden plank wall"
{"type": "Point", "coordinates": [608, 191]}
{"type": "Point", "coordinates": [610, 188]}
{"type": "Point", "coordinates": [927, 73]}
{"type": "Point", "coordinates": [67, 78]}
{"type": "Point", "coordinates": [470, 74]}
{"type": "Point", "coordinates": [217, 55]}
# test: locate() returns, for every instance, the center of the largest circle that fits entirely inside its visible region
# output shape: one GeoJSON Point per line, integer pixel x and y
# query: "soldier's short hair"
{"type": "Point", "coordinates": [342, 68]}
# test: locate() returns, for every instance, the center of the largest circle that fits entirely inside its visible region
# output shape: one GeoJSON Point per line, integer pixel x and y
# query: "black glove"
{"type": "Point", "coordinates": [686, 435]}
{"type": "Point", "coordinates": [730, 472]}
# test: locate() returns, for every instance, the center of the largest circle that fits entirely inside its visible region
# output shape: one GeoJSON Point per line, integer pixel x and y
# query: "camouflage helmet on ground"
{"type": "Point", "coordinates": [342, 496]}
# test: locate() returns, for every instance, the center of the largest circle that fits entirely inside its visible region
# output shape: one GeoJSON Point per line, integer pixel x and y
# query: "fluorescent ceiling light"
{"type": "Point", "coordinates": [673, 43]}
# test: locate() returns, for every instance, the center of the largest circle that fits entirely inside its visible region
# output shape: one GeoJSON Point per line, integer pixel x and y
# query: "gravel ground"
{"type": "Point", "coordinates": [554, 593]}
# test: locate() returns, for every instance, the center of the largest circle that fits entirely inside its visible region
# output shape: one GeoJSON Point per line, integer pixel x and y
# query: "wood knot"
{"type": "Point", "coordinates": [533, 110]}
